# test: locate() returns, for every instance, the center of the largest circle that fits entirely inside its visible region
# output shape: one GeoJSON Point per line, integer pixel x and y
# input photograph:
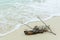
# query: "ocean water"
{"type": "Point", "coordinates": [14, 13]}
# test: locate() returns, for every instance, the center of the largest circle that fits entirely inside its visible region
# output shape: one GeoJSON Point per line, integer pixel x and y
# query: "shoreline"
{"type": "Point", "coordinates": [19, 34]}
{"type": "Point", "coordinates": [18, 25]}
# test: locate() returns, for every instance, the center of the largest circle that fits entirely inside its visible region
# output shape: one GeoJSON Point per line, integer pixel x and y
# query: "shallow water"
{"type": "Point", "coordinates": [15, 12]}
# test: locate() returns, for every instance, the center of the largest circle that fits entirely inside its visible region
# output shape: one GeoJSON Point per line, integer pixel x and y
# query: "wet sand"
{"type": "Point", "coordinates": [19, 34]}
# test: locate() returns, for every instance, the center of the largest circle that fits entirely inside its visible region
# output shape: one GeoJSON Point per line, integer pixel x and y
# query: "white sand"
{"type": "Point", "coordinates": [19, 34]}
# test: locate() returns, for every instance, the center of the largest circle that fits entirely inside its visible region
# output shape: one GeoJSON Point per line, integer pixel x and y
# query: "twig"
{"type": "Point", "coordinates": [52, 33]}
{"type": "Point", "coordinates": [28, 26]}
{"type": "Point", "coordinates": [45, 25]}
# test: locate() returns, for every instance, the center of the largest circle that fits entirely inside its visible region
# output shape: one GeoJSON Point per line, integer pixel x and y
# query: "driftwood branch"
{"type": "Point", "coordinates": [46, 25]}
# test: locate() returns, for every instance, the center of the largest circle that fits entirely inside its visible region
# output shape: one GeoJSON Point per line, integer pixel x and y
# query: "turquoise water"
{"type": "Point", "coordinates": [50, 6]}
{"type": "Point", "coordinates": [19, 1]}
{"type": "Point", "coordinates": [14, 10]}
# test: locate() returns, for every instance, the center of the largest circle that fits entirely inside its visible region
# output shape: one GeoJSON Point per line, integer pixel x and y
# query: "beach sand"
{"type": "Point", "coordinates": [19, 34]}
